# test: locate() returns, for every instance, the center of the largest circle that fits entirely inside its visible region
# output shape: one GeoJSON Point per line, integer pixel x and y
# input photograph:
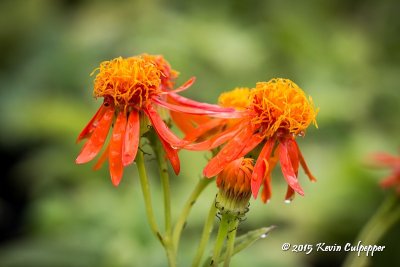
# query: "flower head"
{"type": "Point", "coordinates": [238, 98]}
{"type": "Point", "coordinates": [276, 113]}
{"type": "Point", "coordinates": [131, 88]}
{"type": "Point", "coordinates": [234, 187]}
{"type": "Point", "coordinates": [280, 105]}
{"type": "Point", "coordinates": [392, 162]}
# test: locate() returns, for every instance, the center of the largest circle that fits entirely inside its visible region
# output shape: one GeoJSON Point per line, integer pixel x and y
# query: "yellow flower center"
{"type": "Point", "coordinates": [238, 98]}
{"type": "Point", "coordinates": [281, 105]}
{"type": "Point", "coordinates": [132, 81]}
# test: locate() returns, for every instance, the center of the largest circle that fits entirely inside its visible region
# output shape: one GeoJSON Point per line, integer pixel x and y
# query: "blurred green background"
{"type": "Point", "coordinates": [346, 54]}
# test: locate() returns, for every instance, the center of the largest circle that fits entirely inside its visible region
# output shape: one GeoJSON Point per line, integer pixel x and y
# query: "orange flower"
{"type": "Point", "coordinates": [131, 87]}
{"type": "Point", "coordinates": [277, 112]}
{"type": "Point", "coordinates": [393, 162]}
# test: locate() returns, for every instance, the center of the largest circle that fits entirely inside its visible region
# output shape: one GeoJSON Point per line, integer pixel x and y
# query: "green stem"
{"type": "Point", "coordinates": [219, 241]}
{"type": "Point", "coordinates": [163, 169]}
{"type": "Point", "coordinates": [147, 196]}
{"type": "Point", "coordinates": [231, 242]}
{"type": "Point", "coordinates": [205, 236]}
{"type": "Point", "coordinates": [384, 218]}
{"type": "Point", "coordinates": [201, 185]}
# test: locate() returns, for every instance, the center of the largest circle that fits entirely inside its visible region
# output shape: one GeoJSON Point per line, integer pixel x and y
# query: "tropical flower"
{"type": "Point", "coordinates": [276, 112]}
{"type": "Point", "coordinates": [393, 162]}
{"type": "Point", "coordinates": [234, 187]}
{"type": "Point", "coordinates": [132, 89]}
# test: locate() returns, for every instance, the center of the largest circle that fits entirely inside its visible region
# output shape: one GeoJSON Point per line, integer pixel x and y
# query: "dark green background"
{"type": "Point", "coordinates": [345, 54]}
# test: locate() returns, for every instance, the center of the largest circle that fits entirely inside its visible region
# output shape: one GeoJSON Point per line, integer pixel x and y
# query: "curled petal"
{"type": "Point", "coordinates": [183, 87]}
{"type": "Point", "coordinates": [199, 110]}
{"type": "Point", "coordinates": [205, 128]}
{"type": "Point", "coordinates": [267, 190]}
{"type": "Point", "coordinates": [131, 139]}
{"type": "Point", "coordinates": [287, 168]}
{"type": "Point", "coordinates": [115, 151]}
{"type": "Point", "coordinates": [293, 155]}
{"type": "Point", "coordinates": [231, 151]}
{"type": "Point", "coordinates": [181, 100]}
{"type": "Point", "coordinates": [217, 139]}
{"type": "Point", "coordinates": [261, 167]}
{"type": "Point", "coordinates": [304, 164]}
{"type": "Point", "coordinates": [172, 155]}
{"type": "Point", "coordinates": [254, 141]}
{"type": "Point", "coordinates": [289, 194]}
{"type": "Point", "coordinates": [93, 145]}
{"type": "Point", "coordinates": [89, 128]}
{"type": "Point", "coordinates": [161, 128]}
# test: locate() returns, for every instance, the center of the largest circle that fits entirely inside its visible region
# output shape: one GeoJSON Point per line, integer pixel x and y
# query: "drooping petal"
{"type": "Point", "coordinates": [267, 189]}
{"type": "Point", "coordinates": [89, 128]}
{"type": "Point", "coordinates": [172, 155]}
{"type": "Point", "coordinates": [217, 139]}
{"type": "Point", "coordinates": [287, 168]}
{"type": "Point", "coordinates": [254, 141]}
{"type": "Point", "coordinates": [293, 155]}
{"type": "Point", "coordinates": [304, 164]}
{"type": "Point", "coordinates": [161, 128]}
{"type": "Point", "coordinates": [115, 151]}
{"type": "Point", "coordinates": [186, 122]}
{"type": "Point", "coordinates": [199, 111]}
{"type": "Point", "coordinates": [205, 128]}
{"type": "Point", "coordinates": [131, 139]}
{"type": "Point", "coordinates": [290, 193]}
{"type": "Point", "coordinates": [93, 146]}
{"type": "Point", "coordinates": [181, 100]}
{"type": "Point", "coordinates": [231, 151]}
{"type": "Point", "coordinates": [183, 87]}
{"type": "Point", "coordinates": [102, 158]}
{"type": "Point", "coordinates": [261, 167]}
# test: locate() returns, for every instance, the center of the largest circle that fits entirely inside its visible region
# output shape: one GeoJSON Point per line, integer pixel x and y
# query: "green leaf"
{"type": "Point", "coordinates": [243, 242]}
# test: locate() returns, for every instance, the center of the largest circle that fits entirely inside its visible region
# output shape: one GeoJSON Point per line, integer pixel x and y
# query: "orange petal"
{"type": "Point", "coordinates": [102, 159]}
{"type": "Point", "coordinates": [289, 194]}
{"type": "Point", "coordinates": [287, 168]}
{"type": "Point", "coordinates": [304, 164]}
{"type": "Point", "coordinates": [93, 146]}
{"type": "Point", "coordinates": [293, 155]}
{"type": "Point", "coordinates": [131, 139]}
{"type": "Point", "coordinates": [89, 128]}
{"type": "Point", "coordinates": [115, 152]}
{"type": "Point", "coordinates": [172, 155]}
{"type": "Point", "coordinates": [183, 87]}
{"type": "Point", "coordinates": [204, 128]}
{"type": "Point", "coordinates": [261, 167]}
{"type": "Point", "coordinates": [217, 139]}
{"type": "Point", "coordinates": [267, 189]}
{"type": "Point", "coordinates": [161, 128]}
{"type": "Point", "coordinates": [231, 151]}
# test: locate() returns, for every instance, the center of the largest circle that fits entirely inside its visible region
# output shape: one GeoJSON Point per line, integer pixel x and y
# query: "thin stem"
{"type": "Point", "coordinates": [219, 241]}
{"type": "Point", "coordinates": [205, 236]}
{"type": "Point", "coordinates": [384, 218]}
{"type": "Point", "coordinates": [201, 185]}
{"type": "Point", "coordinates": [163, 169]}
{"type": "Point", "coordinates": [231, 242]}
{"type": "Point", "coordinates": [147, 196]}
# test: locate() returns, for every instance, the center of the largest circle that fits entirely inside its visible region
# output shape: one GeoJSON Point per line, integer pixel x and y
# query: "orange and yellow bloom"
{"type": "Point", "coordinates": [133, 88]}
{"type": "Point", "coordinates": [275, 113]}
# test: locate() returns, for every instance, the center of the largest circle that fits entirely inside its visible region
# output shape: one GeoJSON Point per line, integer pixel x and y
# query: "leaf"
{"type": "Point", "coordinates": [243, 242]}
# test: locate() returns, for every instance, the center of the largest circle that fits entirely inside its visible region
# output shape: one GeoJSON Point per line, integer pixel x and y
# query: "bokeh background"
{"type": "Point", "coordinates": [346, 54]}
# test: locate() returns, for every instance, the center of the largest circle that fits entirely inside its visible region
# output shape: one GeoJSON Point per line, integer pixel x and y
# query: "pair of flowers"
{"type": "Point", "coordinates": [267, 117]}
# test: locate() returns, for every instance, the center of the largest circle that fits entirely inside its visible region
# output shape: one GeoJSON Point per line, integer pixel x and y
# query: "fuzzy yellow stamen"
{"type": "Point", "coordinates": [280, 104]}
{"type": "Point", "coordinates": [238, 98]}
{"type": "Point", "coordinates": [129, 81]}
